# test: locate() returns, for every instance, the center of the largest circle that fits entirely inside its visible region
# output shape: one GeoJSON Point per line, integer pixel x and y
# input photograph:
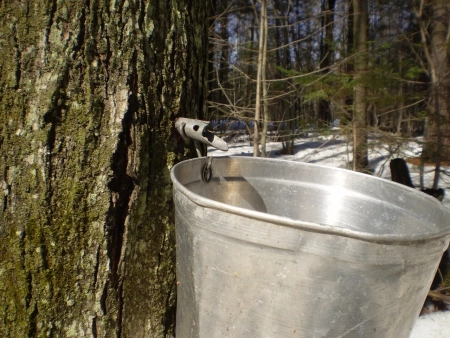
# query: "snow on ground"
{"type": "Point", "coordinates": [334, 151]}
{"type": "Point", "coordinates": [433, 325]}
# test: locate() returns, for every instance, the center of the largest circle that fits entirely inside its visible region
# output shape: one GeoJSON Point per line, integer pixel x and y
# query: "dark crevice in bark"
{"type": "Point", "coordinates": [5, 178]}
{"type": "Point", "coordinates": [54, 7]}
{"type": "Point", "coordinates": [94, 327]}
{"type": "Point", "coordinates": [32, 317]}
{"type": "Point", "coordinates": [44, 255]}
{"type": "Point", "coordinates": [103, 299]}
{"type": "Point", "coordinates": [159, 90]}
{"type": "Point", "coordinates": [33, 330]}
{"type": "Point", "coordinates": [122, 186]}
{"type": "Point", "coordinates": [173, 53]}
{"type": "Point", "coordinates": [106, 62]}
{"type": "Point", "coordinates": [53, 117]}
{"type": "Point", "coordinates": [97, 264]}
{"type": "Point", "coordinates": [171, 311]}
{"type": "Point", "coordinates": [81, 33]}
{"type": "Point", "coordinates": [93, 10]}
{"type": "Point", "coordinates": [29, 295]}
{"type": "Point", "coordinates": [141, 15]}
{"type": "Point", "coordinates": [18, 72]}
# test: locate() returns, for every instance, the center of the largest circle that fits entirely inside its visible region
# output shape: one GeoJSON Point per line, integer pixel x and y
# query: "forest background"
{"type": "Point", "coordinates": [381, 69]}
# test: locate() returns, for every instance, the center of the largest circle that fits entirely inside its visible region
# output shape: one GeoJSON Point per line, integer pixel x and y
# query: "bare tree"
{"type": "Point", "coordinates": [261, 86]}
{"type": "Point", "coordinates": [435, 14]}
{"type": "Point", "coordinates": [360, 26]}
{"type": "Point", "coordinates": [326, 55]}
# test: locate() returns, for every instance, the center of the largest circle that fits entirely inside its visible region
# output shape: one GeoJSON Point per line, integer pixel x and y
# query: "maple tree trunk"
{"type": "Point", "coordinates": [87, 92]}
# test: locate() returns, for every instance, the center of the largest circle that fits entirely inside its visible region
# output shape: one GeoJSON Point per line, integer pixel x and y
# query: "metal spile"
{"type": "Point", "coordinates": [198, 131]}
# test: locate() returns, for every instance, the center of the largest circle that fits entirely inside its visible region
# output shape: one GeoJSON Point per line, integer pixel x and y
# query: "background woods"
{"type": "Point", "coordinates": [371, 65]}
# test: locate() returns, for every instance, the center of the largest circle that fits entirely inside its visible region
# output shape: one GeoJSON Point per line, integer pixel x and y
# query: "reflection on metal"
{"type": "Point", "coordinates": [273, 248]}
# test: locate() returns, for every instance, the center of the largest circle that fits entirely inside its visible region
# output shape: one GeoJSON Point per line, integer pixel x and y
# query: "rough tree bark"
{"type": "Point", "coordinates": [87, 90]}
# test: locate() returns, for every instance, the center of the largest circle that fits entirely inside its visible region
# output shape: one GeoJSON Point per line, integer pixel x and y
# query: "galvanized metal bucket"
{"type": "Point", "coordinates": [269, 248]}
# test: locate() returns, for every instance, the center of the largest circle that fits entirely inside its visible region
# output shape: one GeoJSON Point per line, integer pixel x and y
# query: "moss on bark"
{"type": "Point", "coordinates": [87, 91]}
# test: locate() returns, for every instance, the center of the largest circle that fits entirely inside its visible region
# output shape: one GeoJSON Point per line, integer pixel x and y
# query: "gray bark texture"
{"type": "Point", "coordinates": [88, 92]}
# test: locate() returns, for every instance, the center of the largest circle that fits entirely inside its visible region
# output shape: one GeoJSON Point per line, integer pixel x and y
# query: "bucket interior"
{"type": "Point", "coordinates": [315, 194]}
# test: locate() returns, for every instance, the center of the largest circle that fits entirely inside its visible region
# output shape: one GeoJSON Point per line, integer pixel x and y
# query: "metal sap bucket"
{"type": "Point", "coordinates": [271, 248]}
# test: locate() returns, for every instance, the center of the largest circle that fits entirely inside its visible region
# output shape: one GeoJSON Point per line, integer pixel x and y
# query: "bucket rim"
{"type": "Point", "coordinates": [311, 226]}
